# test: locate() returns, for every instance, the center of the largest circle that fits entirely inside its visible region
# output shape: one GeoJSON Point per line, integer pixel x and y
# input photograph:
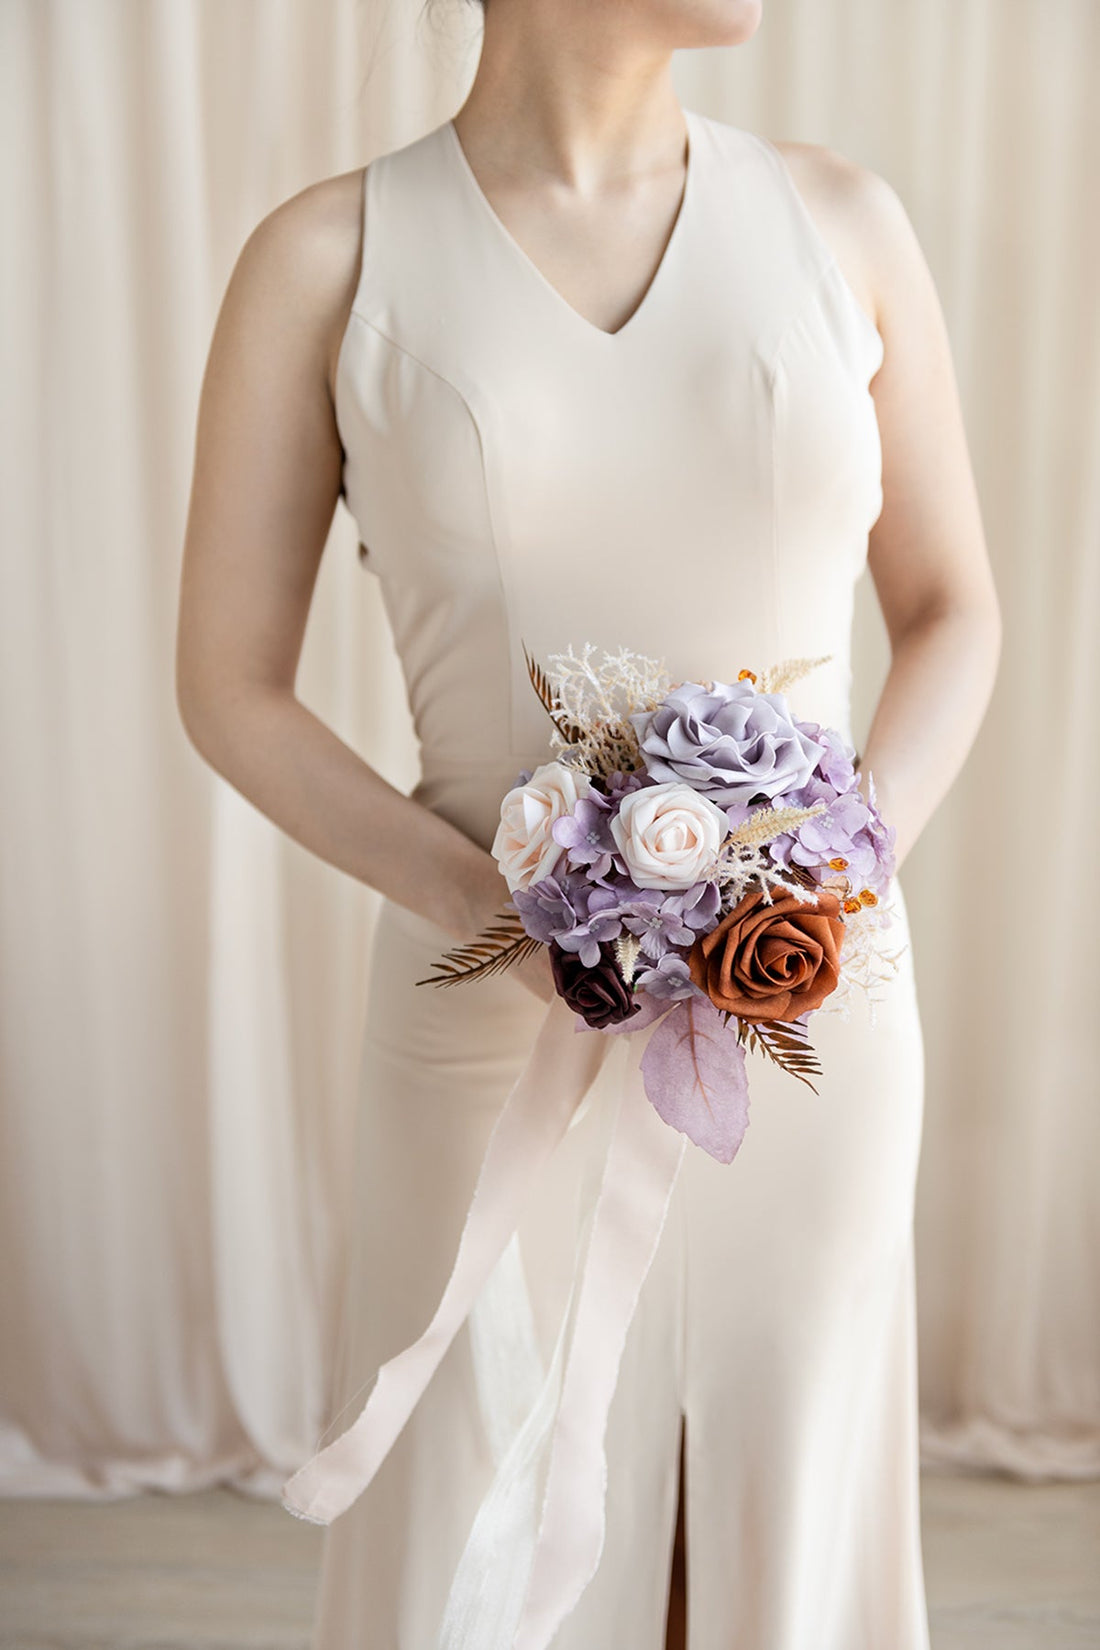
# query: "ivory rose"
{"type": "Point", "coordinates": [524, 845]}
{"type": "Point", "coordinates": [668, 835]}
{"type": "Point", "coordinates": [771, 962]}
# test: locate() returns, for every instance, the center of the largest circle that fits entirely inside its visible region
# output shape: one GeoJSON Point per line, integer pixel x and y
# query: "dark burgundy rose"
{"type": "Point", "coordinates": [599, 994]}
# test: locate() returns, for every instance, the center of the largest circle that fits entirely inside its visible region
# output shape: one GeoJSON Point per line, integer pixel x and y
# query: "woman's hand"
{"type": "Point", "coordinates": [536, 974]}
{"type": "Point", "coordinates": [487, 894]}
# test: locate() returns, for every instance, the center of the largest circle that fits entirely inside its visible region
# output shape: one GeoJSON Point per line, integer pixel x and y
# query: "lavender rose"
{"type": "Point", "coordinates": [599, 994]}
{"type": "Point", "coordinates": [728, 741]}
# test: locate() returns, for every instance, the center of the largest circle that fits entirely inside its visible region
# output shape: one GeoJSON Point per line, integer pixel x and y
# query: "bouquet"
{"type": "Point", "coordinates": [697, 856]}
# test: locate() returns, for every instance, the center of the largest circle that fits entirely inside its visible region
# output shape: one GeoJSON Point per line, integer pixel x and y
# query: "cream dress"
{"type": "Point", "coordinates": [697, 486]}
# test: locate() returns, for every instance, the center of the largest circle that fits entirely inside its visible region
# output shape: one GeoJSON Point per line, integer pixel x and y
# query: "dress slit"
{"type": "Point", "coordinates": [676, 1621]}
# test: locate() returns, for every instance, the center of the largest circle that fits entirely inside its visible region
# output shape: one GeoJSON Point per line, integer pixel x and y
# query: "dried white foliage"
{"type": "Point", "coordinates": [742, 866]}
{"type": "Point", "coordinates": [612, 747]}
{"type": "Point", "coordinates": [766, 823]}
{"type": "Point", "coordinates": [627, 949]}
{"type": "Point", "coordinates": [597, 696]}
{"type": "Point", "coordinates": [866, 961]}
{"type": "Point", "coordinates": [591, 692]}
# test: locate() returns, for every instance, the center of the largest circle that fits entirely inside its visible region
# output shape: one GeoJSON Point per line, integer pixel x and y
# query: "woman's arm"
{"type": "Point", "coordinates": [927, 552]}
{"type": "Point", "coordinates": [266, 481]}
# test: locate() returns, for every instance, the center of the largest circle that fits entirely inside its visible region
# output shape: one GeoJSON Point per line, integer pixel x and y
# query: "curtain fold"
{"type": "Point", "coordinates": [181, 986]}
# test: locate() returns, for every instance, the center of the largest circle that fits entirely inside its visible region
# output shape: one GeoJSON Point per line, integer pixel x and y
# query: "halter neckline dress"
{"type": "Point", "coordinates": [524, 1338]}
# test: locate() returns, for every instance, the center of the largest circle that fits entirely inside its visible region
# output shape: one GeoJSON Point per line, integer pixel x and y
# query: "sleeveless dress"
{"type": "Point", "coordinates": [697, 486]}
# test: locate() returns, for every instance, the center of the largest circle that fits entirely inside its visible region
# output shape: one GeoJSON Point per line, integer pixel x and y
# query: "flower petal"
{"type": "Point", "coordinates": [693, 1068]}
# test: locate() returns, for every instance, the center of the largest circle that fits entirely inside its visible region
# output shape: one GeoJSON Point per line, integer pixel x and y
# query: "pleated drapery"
{"type": "Point", "coordinates": [183, 987]}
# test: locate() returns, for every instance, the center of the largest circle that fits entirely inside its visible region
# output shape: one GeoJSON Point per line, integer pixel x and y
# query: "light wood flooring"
{"type": "Point", "coordinates": [1009, 1566]}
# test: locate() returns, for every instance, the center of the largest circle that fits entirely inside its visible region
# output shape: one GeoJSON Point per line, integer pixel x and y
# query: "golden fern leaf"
{"type": "Point", "coordinates": [777, 678]}
{"type": "Point", "coordinates": [541, 684]}
{"type": "Point", "coordinates": [787, 1045]}
{"type": "Point", "coordinates": [496, 948]}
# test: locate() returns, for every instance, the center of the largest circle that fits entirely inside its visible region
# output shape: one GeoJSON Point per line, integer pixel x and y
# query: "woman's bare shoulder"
{"type": "Point", "coordinates": [300, 266]}
{"type": "Point", "coordinates": [861, 217]}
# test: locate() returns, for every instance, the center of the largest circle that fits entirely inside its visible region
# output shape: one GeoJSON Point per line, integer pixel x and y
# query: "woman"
{"type": "Point", "coordinates": [590, 367]}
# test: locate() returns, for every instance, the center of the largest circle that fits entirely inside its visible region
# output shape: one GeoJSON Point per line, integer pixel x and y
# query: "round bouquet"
{"type": "Point", "coordinates": [693, 854]}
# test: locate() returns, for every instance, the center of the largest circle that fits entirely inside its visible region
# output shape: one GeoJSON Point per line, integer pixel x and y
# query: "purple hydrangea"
{"type": "Point", "coordinates": [553, 905]}
{"type": "Point", "coordinates": [581, 915]}
{"type": "Point", "coordinates": [571, 909]}
{"type": "Point", "coordinates": [669, 978]}
{"type": "Point", "coordinates": [663, 920]}
{"type": "Point", "coordinates": [586, 835]}
{"type": "Point", "coordinates": [619, 784]}
{"type": "Point", "coordinates": [837, 764]}
{"type": "Point", "coordinates": [851, 828]}
{"type": "Point", "coordinates": [729, 742]}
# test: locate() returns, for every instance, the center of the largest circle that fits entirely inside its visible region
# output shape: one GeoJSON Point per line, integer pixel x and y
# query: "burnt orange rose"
{"type": "Point", "coordinates": [771, 962]}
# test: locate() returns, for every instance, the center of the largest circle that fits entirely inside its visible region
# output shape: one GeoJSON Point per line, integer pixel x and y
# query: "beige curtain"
{"type": "Point", "coordinates": [182, 987]}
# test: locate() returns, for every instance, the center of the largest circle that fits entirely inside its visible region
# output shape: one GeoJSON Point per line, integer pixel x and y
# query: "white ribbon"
{"type": "Point", "coordinates": [490, 1581]}
{"type": "Point", "coordinates": [518, 1601]}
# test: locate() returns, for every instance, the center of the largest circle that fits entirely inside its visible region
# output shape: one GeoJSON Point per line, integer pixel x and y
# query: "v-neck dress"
{"type": "Point", "coordinates": [697, 486]}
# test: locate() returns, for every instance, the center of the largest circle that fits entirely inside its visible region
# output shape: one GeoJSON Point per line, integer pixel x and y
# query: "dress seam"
{"type": "Point", "coordinates": [812, 298]}
{"type": "Point", "coordinates": [507, 606]}
{"type": "Point", "coordinates": [778, 606]}
{"type": "Point", "coordinates": [827, 264]}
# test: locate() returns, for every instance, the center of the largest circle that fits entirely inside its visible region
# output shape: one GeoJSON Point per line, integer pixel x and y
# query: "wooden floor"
{"type": "Point", "coordinates": [1009, 1567]}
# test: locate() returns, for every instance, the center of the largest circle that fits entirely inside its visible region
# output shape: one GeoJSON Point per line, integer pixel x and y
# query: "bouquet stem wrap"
{"type": "Point", "coordinates": [487, 1611]}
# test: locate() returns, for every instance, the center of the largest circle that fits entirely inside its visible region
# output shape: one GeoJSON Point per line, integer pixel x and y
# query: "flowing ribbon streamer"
{"type": "Point", "coordinates": [559, 1071]}
{"type": "Point", "coordinates": [639, 1174]}
{"type": "Point", "coordinates": [508, 1365]}
{"type": "Point", "coordinates": [490, 1580]}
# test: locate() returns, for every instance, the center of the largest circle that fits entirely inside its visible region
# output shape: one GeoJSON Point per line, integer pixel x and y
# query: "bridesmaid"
{"type": "Point", "coordinates": [565, 179]}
